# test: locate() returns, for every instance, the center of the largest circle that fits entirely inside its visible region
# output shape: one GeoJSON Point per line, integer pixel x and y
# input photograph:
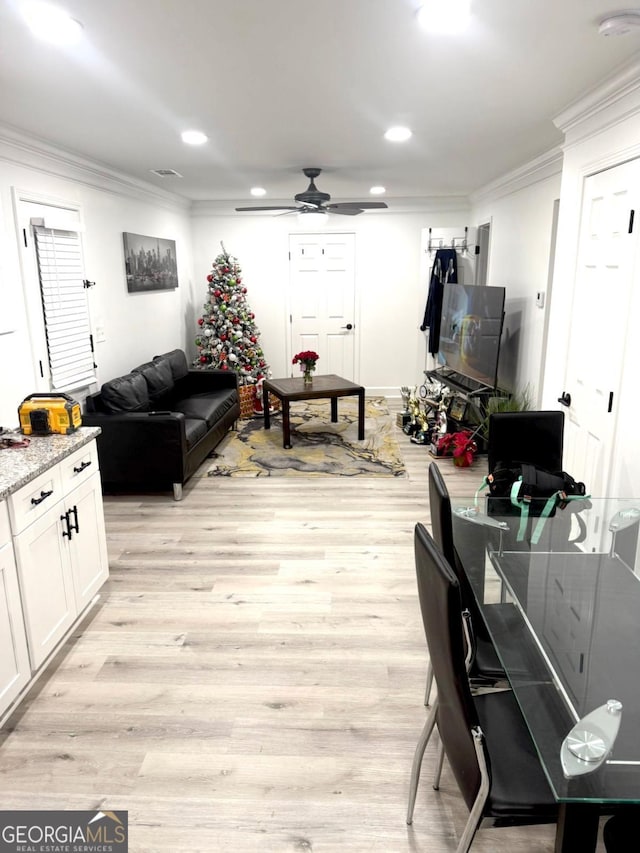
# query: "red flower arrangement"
{"type": "Point", "coordinates": [460, 445]}
{"type": "Point", "coordinates": [307, 360]}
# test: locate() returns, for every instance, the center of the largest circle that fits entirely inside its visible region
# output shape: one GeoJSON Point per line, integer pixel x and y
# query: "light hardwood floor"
{"type": "Point", "coordinates": [252, 679]}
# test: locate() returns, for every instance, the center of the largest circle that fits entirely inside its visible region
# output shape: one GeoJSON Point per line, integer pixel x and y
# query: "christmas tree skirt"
{"type": "Point", "coordinates": [319, 448]}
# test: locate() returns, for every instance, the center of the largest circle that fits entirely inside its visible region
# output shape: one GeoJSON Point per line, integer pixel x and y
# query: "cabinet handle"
{"type": "Point", "coordinates": [43, 496]}
{"type": "Point", "coordinates": [75, 525]}
{"type": "Point", "coordinates": [65, 518]}
{"type": "Point", "coordinates": [79, 470]}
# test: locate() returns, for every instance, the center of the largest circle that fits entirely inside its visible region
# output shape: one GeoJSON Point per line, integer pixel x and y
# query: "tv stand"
{"type": "Point", "coordinates": [468, 406]}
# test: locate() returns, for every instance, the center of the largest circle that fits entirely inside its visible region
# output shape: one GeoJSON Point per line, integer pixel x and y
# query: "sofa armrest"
{"type": "Point", "coordinates": [138, 447]}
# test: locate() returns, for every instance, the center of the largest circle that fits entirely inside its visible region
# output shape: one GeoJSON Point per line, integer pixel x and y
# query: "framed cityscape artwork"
{"type": "Point", "coordinates": [150, 263]}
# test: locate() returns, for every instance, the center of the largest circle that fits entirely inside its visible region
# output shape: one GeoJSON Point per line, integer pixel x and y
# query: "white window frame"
{"type": "Point", "coordinates": [58, 365]}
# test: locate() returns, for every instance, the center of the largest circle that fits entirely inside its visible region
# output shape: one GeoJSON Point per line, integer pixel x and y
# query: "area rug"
{"type": "Point", "coordinates": [319, 448]}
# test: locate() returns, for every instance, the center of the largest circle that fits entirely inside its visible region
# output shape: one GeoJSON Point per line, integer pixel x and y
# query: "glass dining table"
{"type": "Point", "coordinates": [570, 583]}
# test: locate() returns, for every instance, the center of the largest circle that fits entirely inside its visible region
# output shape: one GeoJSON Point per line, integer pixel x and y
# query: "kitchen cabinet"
{"type": "Point", "coordinates": [54, 525]}
{"type": "Point", "coordinates": [15, 670]}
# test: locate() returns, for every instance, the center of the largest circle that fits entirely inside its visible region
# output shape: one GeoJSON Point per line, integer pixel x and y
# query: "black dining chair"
{"type": "Point", "coordinates": [485, 737]}
{"type": "Point", "coordinates": [485, 666]}
{"type": "Point", "coordinates": [533, 437]}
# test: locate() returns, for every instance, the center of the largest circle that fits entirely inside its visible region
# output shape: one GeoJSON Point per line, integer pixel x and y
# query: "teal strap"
{"type": "Point", "coordinates": [483, 485]}
{"type": "Point", "coordinates": [556, 498]}
{"type": "Point", "coordinates": [524, 508]}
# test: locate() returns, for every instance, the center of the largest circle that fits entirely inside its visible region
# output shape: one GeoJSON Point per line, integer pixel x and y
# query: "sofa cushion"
{"type": "Point", "coordinates": [194, 430]}
{"type": "Point", "coordinates": [210, 406]}
{"type": "Point", "coordinates": [178, 361]}
{"type": "Point", "coordinates": [126, 394]}
{"type": "Point", "coordinates": [158, 377]}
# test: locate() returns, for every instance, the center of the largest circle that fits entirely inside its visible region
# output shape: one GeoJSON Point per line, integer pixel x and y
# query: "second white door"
{"type": "Point", "coordinates": [322, 300]}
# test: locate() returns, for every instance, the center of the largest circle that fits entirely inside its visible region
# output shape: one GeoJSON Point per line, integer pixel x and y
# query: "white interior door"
{"type": "Point", "coordinates": [322, 300]}
{"type": "Point", "coordinates": [599, 322]}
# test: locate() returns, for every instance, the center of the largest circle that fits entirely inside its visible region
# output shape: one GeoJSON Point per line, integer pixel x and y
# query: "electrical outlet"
{"type": "Point", "coordinates": [100, 336]}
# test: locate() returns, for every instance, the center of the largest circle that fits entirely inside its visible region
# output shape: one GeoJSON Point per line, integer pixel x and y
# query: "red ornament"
{"type": "Point", "coordinates": [244, 289]}
{"type": "Point", "coordinates": [253, 339]}
{"type": "Point", "coordinates": [203, 359]}
{"type": "Point", "coordinates": [223, 367]}
{"type": "Point", "coordinates": [238, 279]}
{"type": "Point", "coordinates": [200, 321]}
{"type": "Point", "coordinates": [216, 293]}
{"type": "Point", "coordinates": [236, 320]}
{"type": "Point", "coordinates": [210, 278]}
{"type": "Point", "coordinates": [251, 315]}
{"type": "Point", "coordinates": [223, 337]}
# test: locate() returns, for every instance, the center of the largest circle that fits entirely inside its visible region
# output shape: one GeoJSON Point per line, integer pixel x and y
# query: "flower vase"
{"type": "Point", "coordinates": [307, 378]}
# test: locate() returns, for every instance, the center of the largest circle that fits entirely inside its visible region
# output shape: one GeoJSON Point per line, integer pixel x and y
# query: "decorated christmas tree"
{"type": "Point", "coordinates": [229, 337]}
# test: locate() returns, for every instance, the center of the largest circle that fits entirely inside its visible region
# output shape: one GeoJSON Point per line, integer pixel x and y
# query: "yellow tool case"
{"type": "Point", "coordinates": [43, 414]}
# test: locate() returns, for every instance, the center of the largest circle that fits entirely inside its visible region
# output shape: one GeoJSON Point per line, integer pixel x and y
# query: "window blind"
{"type": "Point", "coordinates": [65, 307]}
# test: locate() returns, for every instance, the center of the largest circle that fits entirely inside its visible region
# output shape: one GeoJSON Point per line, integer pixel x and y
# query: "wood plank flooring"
{"type": "Point", "coordinates": [252, 678]}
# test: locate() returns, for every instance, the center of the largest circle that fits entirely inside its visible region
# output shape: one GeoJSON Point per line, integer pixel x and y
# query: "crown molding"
{"type": "Point", "coordinates": [545, 166]}
{"type": "Point", "coordinates": [619, 95]}
{"type": "Point", "coordinates": [419, 205]}
{"type": "Point", "coordinates": [31, 152]}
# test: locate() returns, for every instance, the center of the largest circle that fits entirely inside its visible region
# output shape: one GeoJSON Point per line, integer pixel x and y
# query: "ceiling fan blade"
{"type": "Point", "coordinates": [280, 207]}
{"type": "Point", "coordinates": [363, 205]}
{"type": "Point", "coordinates": [344, 211]}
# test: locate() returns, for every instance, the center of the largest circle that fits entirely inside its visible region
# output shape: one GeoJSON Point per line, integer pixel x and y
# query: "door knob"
{"type": "Point", "coordinates": [348, 326]}
{"type": "Point", "coordinates": [565, 399]}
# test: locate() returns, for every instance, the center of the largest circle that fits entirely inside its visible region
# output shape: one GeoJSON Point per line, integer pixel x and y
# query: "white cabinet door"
{"type": "Point", "coordinates": [44, 571]}
{"type": "Point", "coordinates": [88, 544]}
{"type": "Point", "coordinates": [14, 657]}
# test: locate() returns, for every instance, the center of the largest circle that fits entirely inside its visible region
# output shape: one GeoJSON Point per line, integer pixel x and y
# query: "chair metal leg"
{"type": "Point", "coordinates": [439, 763]}
{"type": "Point", "coordinates": [475, 816]}
{"type": "Point", "coordinates": [427, 692]}
{"type": "Point", "coordinates": [417, 759]}
{"type": "Point", "coordinates": [177, 491]}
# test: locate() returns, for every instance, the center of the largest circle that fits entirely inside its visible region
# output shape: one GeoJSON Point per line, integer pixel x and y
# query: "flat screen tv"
{"type": "Point", "coordinates": [470, 331]}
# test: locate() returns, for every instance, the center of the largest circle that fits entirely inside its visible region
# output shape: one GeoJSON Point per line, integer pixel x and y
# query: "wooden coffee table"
{"type": "Point", "coordinates": [291, 389]}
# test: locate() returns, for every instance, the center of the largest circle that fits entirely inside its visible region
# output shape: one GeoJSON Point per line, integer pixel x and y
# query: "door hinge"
{"type": "Point", "coordinates": [610, 407]}
{"type": "Point", "coordinates": [41, 370]}
{"type": "Point", "coordinates": [477, 250]}
{"type": "Point", "coordinates": [24, 236]}
{"type": "Point", "coordinates": [291, 318]}
{"type": "Point", "coordinates": [632, 214]}
{"type": "Point", "coordinates": [87, 284]}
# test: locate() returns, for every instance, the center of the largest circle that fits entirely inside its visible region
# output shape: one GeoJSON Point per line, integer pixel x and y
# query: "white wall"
{"type": "Point", "coordinates": [391, 296]}
{"type": "Point", "coordinates": [136, 326]}
{"type": "Point", "coordinates": [521, 213]}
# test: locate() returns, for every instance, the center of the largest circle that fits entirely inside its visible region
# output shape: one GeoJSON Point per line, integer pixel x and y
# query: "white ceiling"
{"type": "Point", "coordinates": [282, 84]}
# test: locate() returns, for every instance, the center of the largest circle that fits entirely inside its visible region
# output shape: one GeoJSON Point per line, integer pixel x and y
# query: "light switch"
{"type": "Point", "coordinates": [540, 299]}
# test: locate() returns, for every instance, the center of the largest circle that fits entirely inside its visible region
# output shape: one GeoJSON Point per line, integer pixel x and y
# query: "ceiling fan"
{"type": "Point", "coordinates": [314, 201]}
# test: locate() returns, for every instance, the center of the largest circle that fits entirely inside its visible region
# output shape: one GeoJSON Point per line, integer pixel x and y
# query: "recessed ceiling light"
{"type": "Point", "coordinates": [194, 137]}
{"type": "Point", "coordinates": [51, 23]}
{"type": "Point", "coordinates": [398, 134]}
{"type": "Point", "coordinates": [444, 16]}
{"type": "Point", "coordinates": [258, 191]}
{"type": "Point", "coordinates": [377, 190]}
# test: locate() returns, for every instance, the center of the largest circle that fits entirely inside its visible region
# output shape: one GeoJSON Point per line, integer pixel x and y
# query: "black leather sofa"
{"type": "Point", "coordinates": [160, 422]}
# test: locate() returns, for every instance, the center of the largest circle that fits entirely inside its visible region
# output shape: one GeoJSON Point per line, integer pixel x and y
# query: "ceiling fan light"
{"type": "Point", "coordinates": [312, 217]}
{"type": "Point", "coordinates": [377, 190]}
{"type": "Point", "coordinates": [258, 191]}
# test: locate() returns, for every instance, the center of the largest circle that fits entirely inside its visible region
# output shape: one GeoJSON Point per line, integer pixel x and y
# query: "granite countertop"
{"type": "Point", "coordinates": [19, 465]}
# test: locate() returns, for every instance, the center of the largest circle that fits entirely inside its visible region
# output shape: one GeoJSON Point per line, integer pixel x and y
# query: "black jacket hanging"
{"type": "Point", "coordinates": [444, 271]}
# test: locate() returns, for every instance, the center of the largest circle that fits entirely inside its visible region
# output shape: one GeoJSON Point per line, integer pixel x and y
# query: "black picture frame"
{"type": "Point", "coordinates": [150, 263]}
